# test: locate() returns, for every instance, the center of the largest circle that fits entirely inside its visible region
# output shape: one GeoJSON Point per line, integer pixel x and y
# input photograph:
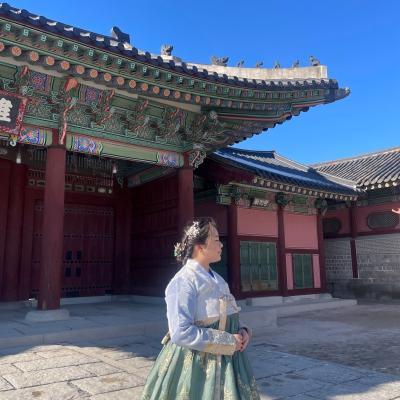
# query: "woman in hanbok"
{"type": "Point", "coordinates": [203, 356]}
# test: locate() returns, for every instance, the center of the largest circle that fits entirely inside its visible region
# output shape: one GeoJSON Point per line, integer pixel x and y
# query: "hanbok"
{"type": "Point", "coordinates": [198, 360]}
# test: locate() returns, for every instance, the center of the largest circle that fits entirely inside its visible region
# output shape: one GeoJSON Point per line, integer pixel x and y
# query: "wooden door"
{"type": "Point", "coordinates": [87, 251]}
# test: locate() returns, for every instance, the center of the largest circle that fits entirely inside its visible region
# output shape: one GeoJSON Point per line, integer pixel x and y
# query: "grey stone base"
{"type": "Point", "coordinates": [47, 315]}
{"type": "Point", "coordinates": [365, 289]}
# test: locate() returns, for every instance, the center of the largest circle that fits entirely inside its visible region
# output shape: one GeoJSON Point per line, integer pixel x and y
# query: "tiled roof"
{"type": "Point", "coordinates": [271, 166]}
{"type": "Point", "coordinates": [111, 44]}
{"type": "Point", "coordinates": [370, 171]}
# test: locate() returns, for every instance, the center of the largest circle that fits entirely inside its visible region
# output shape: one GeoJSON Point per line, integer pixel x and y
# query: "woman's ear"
{"type": "Point", "coordinates": [198, 248]}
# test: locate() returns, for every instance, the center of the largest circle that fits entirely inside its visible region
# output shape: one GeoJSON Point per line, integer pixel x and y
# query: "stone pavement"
{"type": "Point", "coordinates": [115, 369]}
{"type": "Point", "coordinates": [365, 336]}
{"type": "Point", "coordinates": [294, 361]}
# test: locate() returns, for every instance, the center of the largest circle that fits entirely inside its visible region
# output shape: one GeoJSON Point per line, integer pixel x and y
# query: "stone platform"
{"type": "Point", "coordinates": [112, 316]}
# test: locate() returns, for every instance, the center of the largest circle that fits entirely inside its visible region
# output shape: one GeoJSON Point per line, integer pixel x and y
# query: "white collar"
{"type": "Point", "coordinates": [197, 267]}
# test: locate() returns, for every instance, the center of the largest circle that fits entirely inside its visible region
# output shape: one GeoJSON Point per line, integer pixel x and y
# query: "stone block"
{"type": "Point", "coordinates": [125, 394]}
{"type": "Point", "coordinates": [58, 391]}
{"type": "Point", "coordinates": [8, 369]}
{"type": "Point", "coordinates": [46, 376]}
{"type": "Point", "coordinates": [4, 385]}
{"type": "Point", "coordinates": [47, 315]}
{"type": "Point", "coordinates": [109, 383]}
{"type": "Point", "coordinates": [100, 368]}
{"type": "Point", "coordinates": [281, 386]}
{"type": "Point", "coordinates": [55, 362]}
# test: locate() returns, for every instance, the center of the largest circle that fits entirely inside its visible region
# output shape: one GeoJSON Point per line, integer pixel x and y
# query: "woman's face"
{"type": "Point", "coordinates": [213, 248]}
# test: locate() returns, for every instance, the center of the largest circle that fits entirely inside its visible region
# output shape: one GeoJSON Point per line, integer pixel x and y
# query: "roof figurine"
{"type": "Point", "coordinates": [314, 61]}
{"type": "Point", "coordinates": [259, 64]}
{"type": "Point", "coordinates": [296, 64]}
{"type": "Point", "coordinates": [240, 64]}
{"type": "Point", "coordinates": [277, 65]}
{"type": "Point", "coordinates": [120, 36]}
{"type": "Point", "coordinates": [166, 49]}
{"type": "Point", "coordinates": [222, 61]}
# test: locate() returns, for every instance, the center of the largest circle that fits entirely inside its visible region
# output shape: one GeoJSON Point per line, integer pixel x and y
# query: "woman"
{"type": "Point", "coordinates": [203, 355]}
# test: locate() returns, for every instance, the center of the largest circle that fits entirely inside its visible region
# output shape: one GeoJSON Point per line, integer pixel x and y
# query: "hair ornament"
{"type": "Point", "coordinates": [178, 250]}
{"type": "Point", "coordinates": [194, 230]}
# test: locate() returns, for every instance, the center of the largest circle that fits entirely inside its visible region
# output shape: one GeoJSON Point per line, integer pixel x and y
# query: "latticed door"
{"type": "Point", "coordinates": [258, 266]}
{"type": "Point", "coordinates": [302, 271]}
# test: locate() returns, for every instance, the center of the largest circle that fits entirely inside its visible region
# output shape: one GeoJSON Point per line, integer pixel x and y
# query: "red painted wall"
{"type": "Point", "coordinates": [217, 211]}
{"type": "Point", "coordinates": [344, 217]}
{"type": "Point", "coordinates": [300, 231]}
{"type": "Point", "coordinates": [363, 212]}
{"type": "Point", "coordinates": [253, 222]}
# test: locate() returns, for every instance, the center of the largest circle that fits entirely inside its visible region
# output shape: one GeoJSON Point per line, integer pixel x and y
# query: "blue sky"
{"type": "Point", "coordinates": [358, 40]}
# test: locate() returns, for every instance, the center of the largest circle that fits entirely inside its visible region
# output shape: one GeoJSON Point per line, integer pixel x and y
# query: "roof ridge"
{"type": "Point", "coordinates": [308, 178]}
{"type": "Point", "coordinates": [249, 150]}
{"type": "Point", "coordinates": [338, 179]}
{"type": "Point", "coordinates": [355, 158]}
{"type": "Point", "coordinates": [286, 160]}
{"type": "Point", "coordinates": [222, 74]}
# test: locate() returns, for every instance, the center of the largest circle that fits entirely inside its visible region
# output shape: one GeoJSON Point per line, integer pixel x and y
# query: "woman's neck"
{"type": "Point", "coordinates": [203, 263]}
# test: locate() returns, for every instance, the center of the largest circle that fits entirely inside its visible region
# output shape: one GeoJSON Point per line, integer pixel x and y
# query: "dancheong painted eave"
{"type": "Point", "coordinates": [271, 79]}
{"type": "Point", "coordinates": [235, 102]}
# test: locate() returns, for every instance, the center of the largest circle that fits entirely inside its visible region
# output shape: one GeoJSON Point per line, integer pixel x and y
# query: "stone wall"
{"type": "Point", "coordinates": [338, 265]}
{"type": "Point", "coordinates": [378, 260]}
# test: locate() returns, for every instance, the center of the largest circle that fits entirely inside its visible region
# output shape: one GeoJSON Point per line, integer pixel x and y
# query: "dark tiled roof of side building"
{"type": "Point", "coordinates": [272, 166]}
{"type": "Point", "coordinates": [370, 171]}
{"type": "Point", "coordinates": [111, 44]}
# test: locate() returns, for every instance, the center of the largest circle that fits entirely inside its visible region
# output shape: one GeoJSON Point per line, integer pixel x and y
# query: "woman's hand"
{"type": "Point", "coordinates": [239, 341]}
{"type": "Point", "coordinates": [246, 338]}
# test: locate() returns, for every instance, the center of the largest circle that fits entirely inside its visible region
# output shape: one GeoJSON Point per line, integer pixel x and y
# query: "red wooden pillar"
{"type": "Point", "coordinates": [185, 198]}
{"type": "Point", "coordinates": [321, 250]}
{"type": "Point", "coordinates": [234, 276]}
{"type": "Point", "coordinates": [53, 230]}
{"type": "Point", "coordinates": [123, 231]}
{"type": "Point", "coordinates": [5, 168]}
{"type": "Point", "coordinates": [282, 252]}
{"type": "Point", "coordinates": [353, 231]}
{"type": "Point", "coordinates": [31, 195]}
{"type": "Point", "coordinates": [14, 232]}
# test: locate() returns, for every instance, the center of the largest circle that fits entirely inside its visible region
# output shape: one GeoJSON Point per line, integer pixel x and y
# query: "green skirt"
{"type": "Point", "coordinates": [180, 373]}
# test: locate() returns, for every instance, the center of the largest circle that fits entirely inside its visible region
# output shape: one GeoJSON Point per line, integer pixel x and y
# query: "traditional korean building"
{"type": "Point", "coordinates": [269, 211]}
{"type": "Point", "coordinates": [99, 144]}
{"type": "Point", "coordinates": [362, 238]}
